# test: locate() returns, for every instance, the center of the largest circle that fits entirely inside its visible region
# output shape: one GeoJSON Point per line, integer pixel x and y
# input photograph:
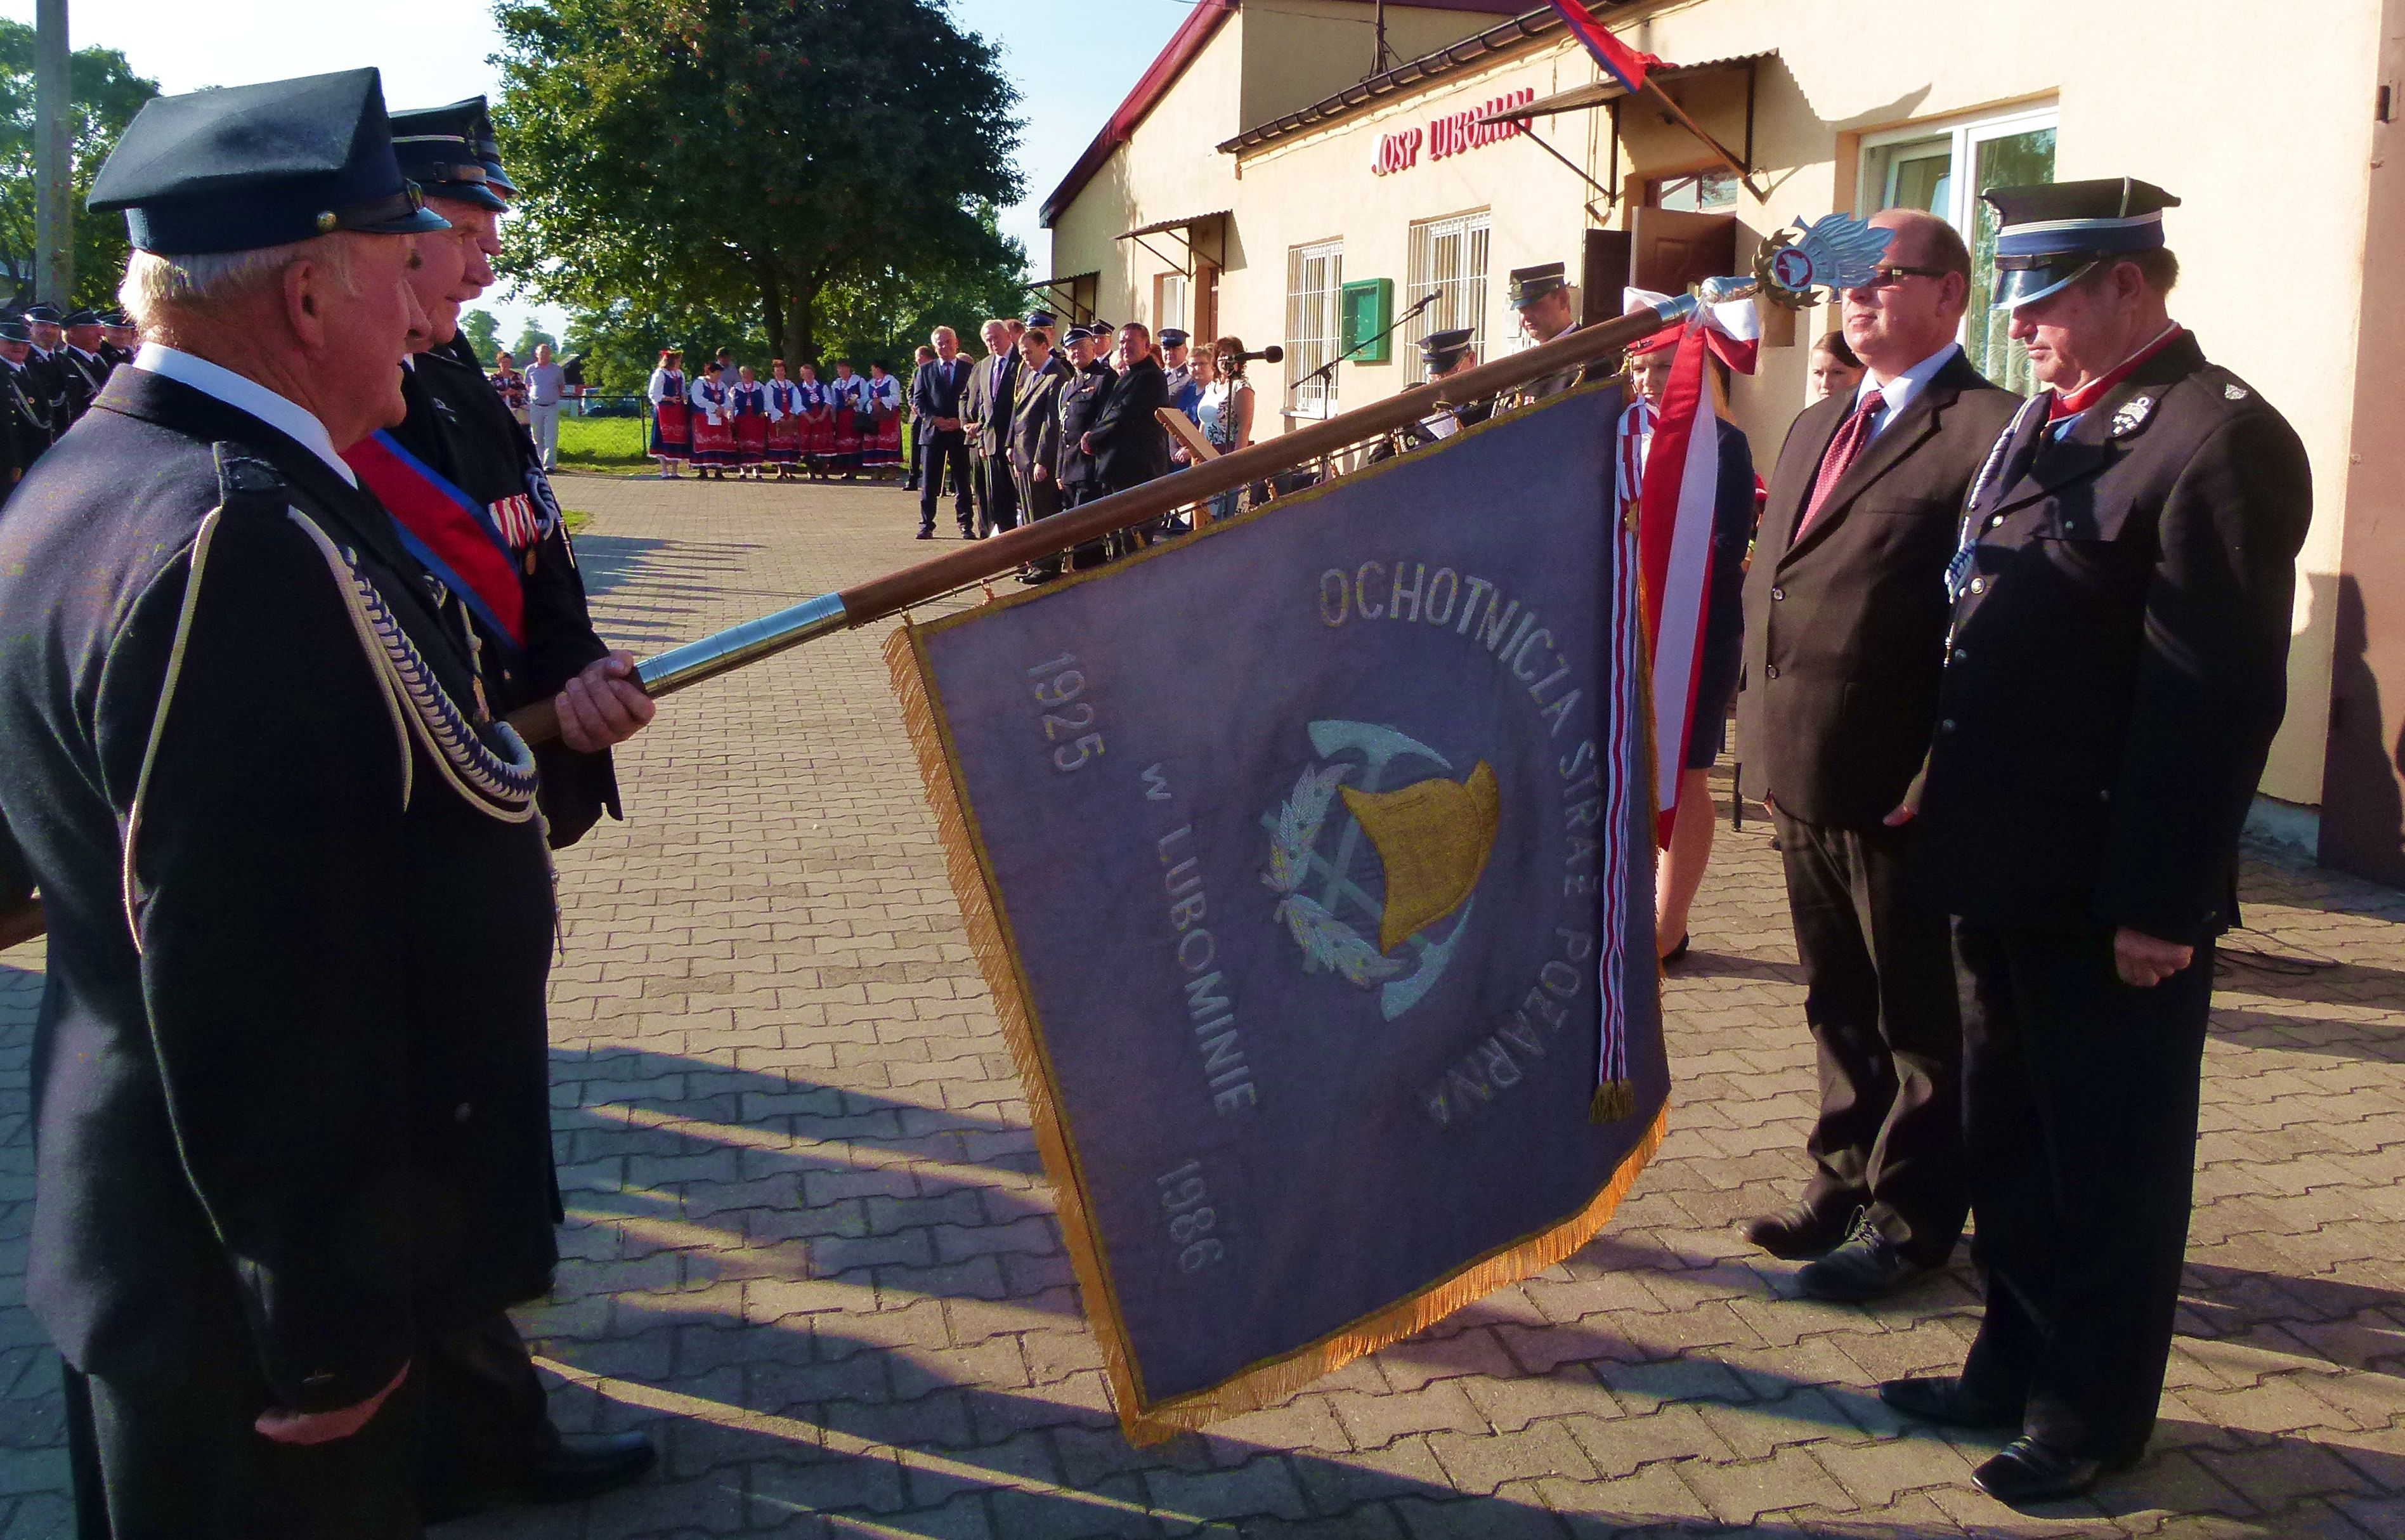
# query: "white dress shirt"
{"type": "Point", "coordinates": [246, 395]}
{"type": "Point", "coordinates": [1899, 390]}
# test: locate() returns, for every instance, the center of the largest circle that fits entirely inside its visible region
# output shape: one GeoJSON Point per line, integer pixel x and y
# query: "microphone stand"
{"type": "Point", "coordinates": [1328, 369]}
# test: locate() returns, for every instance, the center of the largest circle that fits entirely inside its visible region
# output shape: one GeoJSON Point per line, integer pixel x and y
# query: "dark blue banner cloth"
{"type": "Point", "coordinates": [1310, 859]}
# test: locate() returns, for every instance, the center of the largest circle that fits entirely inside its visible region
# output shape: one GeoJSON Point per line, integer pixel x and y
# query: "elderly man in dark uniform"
{"type": "Point", "coordinates": [81, 365]}
{"type": "Point", "coordinates": [290, 1097]}
{"type": "Point", "coordinates": [2115, 673]}
{"type": "Point", "coordinates": [25, 405]}
{"type": "Point", "coordinates": [1844, 615]}
{"type": "Point", "coordinates": [470, 499]}
{"type": "Point", "coordinates": [1083, 396]}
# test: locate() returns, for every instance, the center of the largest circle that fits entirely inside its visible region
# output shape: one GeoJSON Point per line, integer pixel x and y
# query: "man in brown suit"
{"type": "Point", "coordinates": [1845, 631]}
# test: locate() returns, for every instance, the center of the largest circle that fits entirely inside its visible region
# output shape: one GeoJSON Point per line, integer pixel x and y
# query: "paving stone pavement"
{"type": "Point", "coordinates": [811, 1250]}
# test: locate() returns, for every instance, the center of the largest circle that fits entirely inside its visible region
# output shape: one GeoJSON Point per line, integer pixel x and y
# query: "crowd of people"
{"type": "Point", "coordinates": [1049, 417]}
{"type": "Point", "coordinates": [55, 365]}
{"type": "Point", "coordinates": [724, 416]}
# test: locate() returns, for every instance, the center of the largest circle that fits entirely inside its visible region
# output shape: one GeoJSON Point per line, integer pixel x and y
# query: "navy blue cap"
{"type": "Point", "coordinates": [15, 329]}
{"type": "Point", "coordinates": [436, 147]}
{"type": "Point", "coordinates": [488, 149]}
{"type": "Point", "coordinates": [2050, 234]}
{"type": "Point", "coordinates": [1172, 336]}
{"type": "Point", "coordinates": [1079, 333]}
{"type": "Point", "coordinates": [43, 312]}
{"type": "Point", "coordinates": [1531, 284]}
{"type": "Point", "coordinates": [252, 166]}
{"type": "Point", "coordinates": [1041, 318]}
{"type": "Point", "coordinates": [1443, 349]}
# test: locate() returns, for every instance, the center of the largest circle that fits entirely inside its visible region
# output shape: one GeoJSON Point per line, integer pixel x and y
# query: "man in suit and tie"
{"type": "Point", "coordinates": [937, 393]}
{"type": "Point", "coordinates": [1845, 630]}
{"type": "Point", "coordinates": [986, 424]}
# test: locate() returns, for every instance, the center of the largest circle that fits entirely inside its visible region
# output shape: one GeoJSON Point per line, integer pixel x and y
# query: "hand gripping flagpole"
{"type": "Point", "coordinates": [1796, 268]}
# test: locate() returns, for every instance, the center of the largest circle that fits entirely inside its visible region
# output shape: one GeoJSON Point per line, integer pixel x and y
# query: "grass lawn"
{"type": "Point", "coordinates": [602, 444]}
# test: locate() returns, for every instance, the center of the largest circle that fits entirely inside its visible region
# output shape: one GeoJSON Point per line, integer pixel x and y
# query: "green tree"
{"type": "Point", "coordinates": [483, 333]}
{"type": "Point", "coordinates": [684, 158]}
{"type": "Point", "coordinates": [103, 94]}
{"type": "Point", "coordinates": [528, 335]}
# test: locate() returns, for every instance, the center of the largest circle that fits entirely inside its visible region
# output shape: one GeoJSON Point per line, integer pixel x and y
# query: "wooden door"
{"type": "Point", "coordinates": [1602, 275]}
{"type": "Point", "coordinates": [1670, 248]}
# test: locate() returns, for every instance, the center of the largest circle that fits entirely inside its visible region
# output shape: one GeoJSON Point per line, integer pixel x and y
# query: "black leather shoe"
{"type": "Point", "coordinates": [1798, 1232]}
{"type": "Point", "coordinates": [1942, 1400]}
{"type": "Point", "coordinates": [926, 534]}
{"type": "Point", "coordinates": [1865, 1267]}
{"type": "Point", "coordinates": [584, 1465]}
{"type": "Point", "coordinates": [2026, 1471]}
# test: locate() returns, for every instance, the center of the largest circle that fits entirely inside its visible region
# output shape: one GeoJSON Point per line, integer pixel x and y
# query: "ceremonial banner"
{"type": "Point", "coordinates": [1309, 860]}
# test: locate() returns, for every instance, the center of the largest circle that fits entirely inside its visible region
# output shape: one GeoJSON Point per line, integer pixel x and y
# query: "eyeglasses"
{"type": "Point", "coordinates": [1888, 277]}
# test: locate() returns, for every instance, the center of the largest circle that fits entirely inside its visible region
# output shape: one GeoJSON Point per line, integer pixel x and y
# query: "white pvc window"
{"type": "Point", "coordinates": [1314, 276]}
{"type": "Point", "coordinates": [1448, 260]}
{"type": "Point", "coordinates": [1941, 168]}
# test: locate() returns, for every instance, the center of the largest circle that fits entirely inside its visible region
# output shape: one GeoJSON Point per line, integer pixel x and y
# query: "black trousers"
{"type": "Point", "coordinates": [1881, 998]}
{"type": "Point", "coordinates": [997, 494]}
{"type": "Point", "coordinates": [486, 1419]}
{"type": "Point", "coordinates": [2081, 1093]}
{"type": "Point", "coordinates": [176, 1458]}
{"type": "Point", "coordinates": [946, 451]}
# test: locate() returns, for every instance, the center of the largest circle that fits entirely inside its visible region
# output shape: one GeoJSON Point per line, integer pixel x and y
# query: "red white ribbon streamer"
{"type": "Point", "coordinates": [1682, 483]}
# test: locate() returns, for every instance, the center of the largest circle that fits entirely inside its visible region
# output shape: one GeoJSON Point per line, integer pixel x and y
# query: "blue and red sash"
{"type": "Point", "coordinates": [448, 531]}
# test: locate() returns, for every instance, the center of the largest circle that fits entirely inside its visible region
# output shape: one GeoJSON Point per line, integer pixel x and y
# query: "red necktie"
{"type": "Point", "coordinates": [1846, 449]}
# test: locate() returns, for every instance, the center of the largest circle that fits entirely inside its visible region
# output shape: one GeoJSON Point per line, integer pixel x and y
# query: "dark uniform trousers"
{"type": "Point", "coordinates": [2116, 671]}
{"type": "Point", "coordinates": [212, 1476]}
{"type": "Point", "coordinates": [2082, 1238]}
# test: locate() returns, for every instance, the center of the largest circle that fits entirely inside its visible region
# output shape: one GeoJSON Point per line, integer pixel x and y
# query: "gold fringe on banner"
{"type": "Point", "coordinates": [1263, 1384]}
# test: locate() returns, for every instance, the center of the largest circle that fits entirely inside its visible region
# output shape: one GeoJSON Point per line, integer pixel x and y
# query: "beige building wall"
{"type": "Point", "coordinates": [2271, 230]}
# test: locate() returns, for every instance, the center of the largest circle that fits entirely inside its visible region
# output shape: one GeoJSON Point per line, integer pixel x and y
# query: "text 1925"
{"type": "Point", "coordinates": [1066, 720]}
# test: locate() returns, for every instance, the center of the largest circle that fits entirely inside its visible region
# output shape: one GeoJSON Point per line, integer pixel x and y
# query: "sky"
{"type": "Point", "coordinates": [433, 52]}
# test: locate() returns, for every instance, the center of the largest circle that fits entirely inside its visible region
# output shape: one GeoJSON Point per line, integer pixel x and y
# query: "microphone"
{"type": "Point", "coordinates": [1272, 354]}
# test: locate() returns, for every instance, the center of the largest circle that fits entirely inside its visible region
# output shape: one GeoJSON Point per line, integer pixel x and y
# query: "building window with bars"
{"type": "Point", "coordinates": [1314, 277]}
{"type": "Point", "coordinates": [1448, 261]}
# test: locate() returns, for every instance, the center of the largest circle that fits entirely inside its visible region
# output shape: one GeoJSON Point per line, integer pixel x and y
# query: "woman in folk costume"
{"type": "Point", "coordinates": [750, 402]}
{"type": "Point", "coordinates": [880, 432]}
{"type": "Point", "coordinates": [785, 398]}
{"type": "Point", "coordinates": [845, 394]}
{"type": "Point", "coordinates": [1730, 337]}
{"type": "Point", "coordinates": [818, 421]}
{"type": "Point", "coordinates": [671, 416]}
{"type": "Point", "coordinates": [713, 425]}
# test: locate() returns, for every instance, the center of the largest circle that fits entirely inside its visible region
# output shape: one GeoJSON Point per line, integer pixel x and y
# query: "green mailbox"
{"type": "Point", "coordinates": [1369, 312]}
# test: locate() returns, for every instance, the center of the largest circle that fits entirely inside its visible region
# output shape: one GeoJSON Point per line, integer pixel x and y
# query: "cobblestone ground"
{"type": "Point", "coordinates": [810, 1250]}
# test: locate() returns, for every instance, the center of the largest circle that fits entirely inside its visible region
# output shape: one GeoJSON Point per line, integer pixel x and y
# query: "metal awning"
{"type": "Point", "coordinates": [1180, 230]}
{"type": "Point", "coordinates": [1061, 293]}
{"type": "Point", "coordinates": [1610, 93]}
{"type": "Point", "coordinates": [1602, 93]}
{"type": "Point", "coordinates": [1186, 223]}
